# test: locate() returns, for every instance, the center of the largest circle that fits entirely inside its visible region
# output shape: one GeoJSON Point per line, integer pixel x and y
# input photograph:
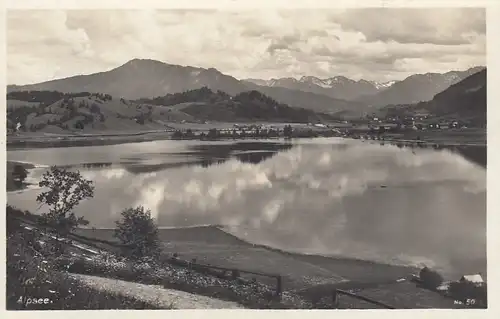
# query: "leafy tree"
{"type": "Point", "coordinates": [138, 233]}
{"type": "Point", "coordinates": [212, 133]}
{"type": "Point", "coordinates": [19, 173]}
{"type": "Point", "coordinates": [140, 119]}
{"type": "Point", "coordinates": [430, 278]}
{"type": "Point", "coordinates": [65, 190]}
{"type": "Point", "coordinates": [79, 125]}
{"type": "Point", "coordinates": [177, 135]}
{"type": "Point", "coordinates": [189, 133]}
{"type": "Point", "coordinates": [94, 108]}
{"type": "Point", "coordinates": [287, 131]}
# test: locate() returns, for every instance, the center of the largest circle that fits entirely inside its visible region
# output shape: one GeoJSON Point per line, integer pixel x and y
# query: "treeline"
{"type": "Point", "coordinates": [203, 94]}
{"type": "Point", "coordinates": [255, 132]}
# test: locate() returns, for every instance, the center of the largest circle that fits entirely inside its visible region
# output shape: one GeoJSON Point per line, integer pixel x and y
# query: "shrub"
{"type": "Point", "coordinates": [138, 233]}
{"type": "Point", "coordinates": [430, 278]}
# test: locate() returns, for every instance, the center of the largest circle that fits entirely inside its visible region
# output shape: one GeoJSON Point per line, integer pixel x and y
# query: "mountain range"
{"type": "Point", "coordinates": [339, 87]}
{"type": "Point", "coordinates": [413, 89]}
{"type": "Point", "coordinates": [52, 111]}
{"type": "Point", "coordinates": [144, 78]}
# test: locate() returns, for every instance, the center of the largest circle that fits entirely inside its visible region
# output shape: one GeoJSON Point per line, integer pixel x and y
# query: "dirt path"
{"type": "Point", "coordinates": [165, 298]}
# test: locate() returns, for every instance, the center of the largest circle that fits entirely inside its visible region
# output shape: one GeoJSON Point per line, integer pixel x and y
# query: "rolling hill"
{"type": "Point", "coordinates": [204, 104]}
{"type": "Point", "coordinates": [55, 112]}
{"type": "Point", "coordinates": [141, 78]}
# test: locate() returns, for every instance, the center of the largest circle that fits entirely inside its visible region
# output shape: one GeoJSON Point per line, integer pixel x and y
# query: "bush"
{"type": "Point", "coordinates": [138, 233]}
{"type": "Point", "coordinates": [430, 278]}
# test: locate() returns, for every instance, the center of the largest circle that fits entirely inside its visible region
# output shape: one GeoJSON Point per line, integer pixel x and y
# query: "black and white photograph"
{"type": "Point", "coordinates": [253, 158]}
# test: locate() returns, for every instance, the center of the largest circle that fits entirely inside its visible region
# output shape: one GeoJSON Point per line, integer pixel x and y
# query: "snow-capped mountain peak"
{"type": "Point", "coordinates": [338, 80]}
{"type": "Point", "coordinates": [281, 81]}
{"type": "Point", "coordinates": [314, 80]}
{"type": "Point", "coordinates": [384, 85]}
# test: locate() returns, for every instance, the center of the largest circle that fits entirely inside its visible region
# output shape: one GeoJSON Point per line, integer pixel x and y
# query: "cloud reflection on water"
{"type": "Point", "coordinates": [323, 199]}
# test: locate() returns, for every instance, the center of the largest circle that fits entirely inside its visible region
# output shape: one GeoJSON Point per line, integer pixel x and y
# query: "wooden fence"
{"type": "Point", "coordinates": [225, 272]}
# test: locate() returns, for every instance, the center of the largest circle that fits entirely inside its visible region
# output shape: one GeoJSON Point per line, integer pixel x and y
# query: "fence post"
{"type": "Point", "coordinates": [235, 274]}
{"type": "Point", "coordinates": [279, 287]}
{"type": "Point", "coordinates": [335, 299]}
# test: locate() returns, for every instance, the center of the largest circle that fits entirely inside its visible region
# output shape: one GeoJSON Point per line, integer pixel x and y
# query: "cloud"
{"type": "Point", "coordinates": [375, 44]}
{"type": "Point", "coordinates": [415, 25]}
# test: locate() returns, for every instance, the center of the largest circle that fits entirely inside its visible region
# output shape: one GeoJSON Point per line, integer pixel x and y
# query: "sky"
{"type": "Point", "coordinates": [373, 44]}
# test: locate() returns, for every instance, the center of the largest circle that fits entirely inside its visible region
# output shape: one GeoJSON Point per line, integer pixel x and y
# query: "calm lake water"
{"type": "Point", "coordinates": [321, 196]}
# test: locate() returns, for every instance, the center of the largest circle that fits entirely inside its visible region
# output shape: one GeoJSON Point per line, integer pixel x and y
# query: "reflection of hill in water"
{"type": "Point", "coordinates": [210, 154]}
{"type": "Point", "coordinates": [252, 158]}
{"type": "Point", "coordinates": [476, 154]}
{"type": "Point", "coordinates": [473, 153]}
{"type": "Point", "coordinates": [89, 166]}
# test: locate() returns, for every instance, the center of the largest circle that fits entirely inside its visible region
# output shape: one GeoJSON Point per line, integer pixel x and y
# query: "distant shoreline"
{"type": "Point", "coordinates": [47, 141]}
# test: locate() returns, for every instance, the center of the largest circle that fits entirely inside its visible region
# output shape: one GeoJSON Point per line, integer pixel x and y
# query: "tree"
{"type": "Point", "coordinates": [19, 173]}
{"type": "Point", "coordinates": [138, 233]}
{"type": "Point", "coordinates": [213, 133]}
{"type": "Point", "coordinates": [381, 130]}
{"type": "Point", "coordinates": [66, 190]}
{"type": "Point", "coordinates": [94, 108]}
{"type": "Point", "coordinates": [430, 278]}
{"type": "Point", "coordinates": [177, 135]}
{"type": "Point", "coordinates": [189, 133]}
{"type": "Point", "coordinates": [79, 125]}
{"type": "Point", "coordinates": [287, 131]}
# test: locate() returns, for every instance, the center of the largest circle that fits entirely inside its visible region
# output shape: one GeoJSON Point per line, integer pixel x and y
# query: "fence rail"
{"type": "Point", "coordinates": [235, 272]}
{"type": "Point", "coordinates": [353, 295]}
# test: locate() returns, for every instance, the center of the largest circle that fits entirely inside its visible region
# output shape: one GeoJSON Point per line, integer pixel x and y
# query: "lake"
{"type": "Point", "coordinates": [333, 197]}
